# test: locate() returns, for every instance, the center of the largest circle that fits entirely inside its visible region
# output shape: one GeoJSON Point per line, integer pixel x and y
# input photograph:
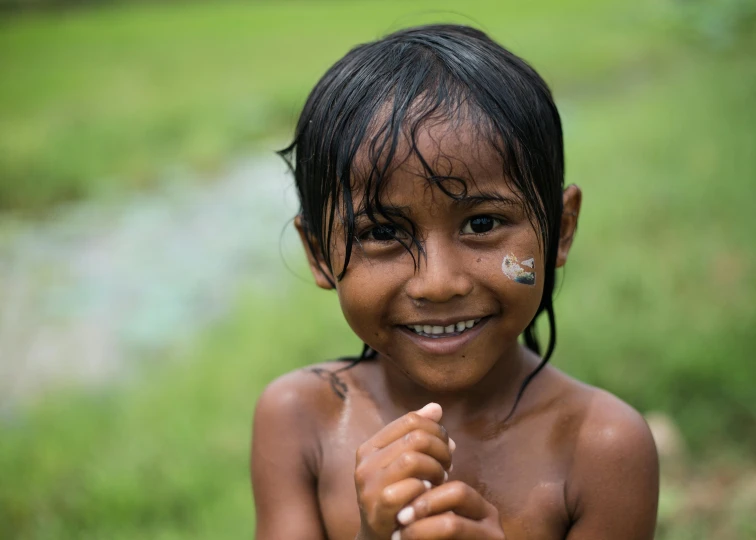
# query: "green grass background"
{"type": "Point", "coordinates": [658, 302]}
{"type": "Point", "coordinates": [88, 95]}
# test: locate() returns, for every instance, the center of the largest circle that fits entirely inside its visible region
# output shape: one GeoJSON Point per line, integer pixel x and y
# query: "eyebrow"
{"type": "Point", "coordinates": [483, 197]}
{"type": "Point", "coordinates": [468, 202]}
{"type": "Point", "coordinates": [398, 211]}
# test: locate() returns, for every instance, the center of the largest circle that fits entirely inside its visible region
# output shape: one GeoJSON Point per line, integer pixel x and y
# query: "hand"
{"type": "Point", "coordinates": [453, 510]}
{"type": "Point", "coordinates": [400, 462]}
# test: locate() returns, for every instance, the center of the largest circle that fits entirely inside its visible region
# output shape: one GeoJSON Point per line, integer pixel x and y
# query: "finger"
{"type": "Point", "coordinates": [414, 465]}
{"type": "Point", "coordinates": [397, 429]}
{"type": "Point", "coordinates": [444, 526]}
{"type": "Point", "coordinates": [418, 441]}
{"type": "Point", "coordinates": [397, 496]}
{"type": "Point", "coordinates": [431, 411]}
{"type": "Point", "coordinates": [456, 497]}
{"type": "Point", "coordinates": [434, 412]}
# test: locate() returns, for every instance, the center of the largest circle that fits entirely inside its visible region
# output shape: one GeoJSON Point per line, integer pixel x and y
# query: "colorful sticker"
{"type": "Point", "coordinates": [512, 269]}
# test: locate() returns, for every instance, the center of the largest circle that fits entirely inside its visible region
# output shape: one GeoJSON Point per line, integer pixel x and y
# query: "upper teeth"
{"type": "Point", "coordinates": [437, 330]}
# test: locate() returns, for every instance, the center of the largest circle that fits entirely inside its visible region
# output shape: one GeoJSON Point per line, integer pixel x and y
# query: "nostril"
{"type": "Point", "coordinates": [438, 287]}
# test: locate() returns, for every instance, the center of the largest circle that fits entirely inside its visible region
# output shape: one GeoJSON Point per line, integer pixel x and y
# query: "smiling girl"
{"type": "Point", "coordinates": [429, 166]}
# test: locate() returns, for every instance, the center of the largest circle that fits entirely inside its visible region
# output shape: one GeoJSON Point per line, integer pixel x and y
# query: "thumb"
{"type": "Point", "coordinates": [431, 411]}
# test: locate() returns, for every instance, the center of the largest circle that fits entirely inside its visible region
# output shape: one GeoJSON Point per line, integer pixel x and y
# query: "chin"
{"type": "Point", "coordinates": [439, 378]}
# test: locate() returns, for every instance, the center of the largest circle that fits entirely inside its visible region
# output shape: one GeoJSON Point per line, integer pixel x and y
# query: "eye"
{"type": "Point", "coordinates": [381, 233]}
{"type": "Point", "coordinates": [480, 225]}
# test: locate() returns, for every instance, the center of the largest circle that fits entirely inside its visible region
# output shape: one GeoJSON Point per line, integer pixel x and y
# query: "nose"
{"type": "Point", "coordinates": [440, 275]}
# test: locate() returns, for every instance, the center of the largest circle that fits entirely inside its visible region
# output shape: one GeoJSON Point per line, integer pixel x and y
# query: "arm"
{"type": "Point", "coordinates": [284, 450]}
{"type": "Point", "coordinates": [613, 491]}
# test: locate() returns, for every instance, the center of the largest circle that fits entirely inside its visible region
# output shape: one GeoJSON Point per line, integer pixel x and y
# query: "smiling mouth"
{"type": "Point", "coordinates": [435, 331]}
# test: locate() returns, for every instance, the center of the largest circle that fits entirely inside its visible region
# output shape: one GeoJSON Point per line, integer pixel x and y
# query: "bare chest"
{"type": "Point", "coordinates": [524, 477]}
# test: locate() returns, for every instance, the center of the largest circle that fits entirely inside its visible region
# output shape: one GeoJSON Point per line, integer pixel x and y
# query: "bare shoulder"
{"type": "Point", "coordinates": [286, 450]}
{"type": "Point", "coordinates": [309, 391]}
{"type": "Point", "coordinates": [611, 430]}
{"type": "Point", "coordinates": [605, 422]}
{"type": "Point", "coordinates": [614, 465]}
{"type": "Point", "coordinates": [611, 425]}
{"type": "Point", "coordinates": [290, 417]}
{"type": "Point", "coordinates": [308, 396]}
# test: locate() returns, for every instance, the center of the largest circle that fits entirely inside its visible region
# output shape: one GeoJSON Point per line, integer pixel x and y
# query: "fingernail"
{"type": "Point", "coordinates": [451, 468]}
{"type": "Point", "coordinates": [452, 445]}
{"type": "Point", "coordinates": [406, 515]}
{"type": "Point", "coordinates": [397, 535]}
{"type": "Point", "coordinates": [432, 411]}
{"type": "Point", "coordinates": [427, 407]}
{"type": "Point", "coordinates": [446, 476]}
{"type": "Point", "coordinates": [427, 484]}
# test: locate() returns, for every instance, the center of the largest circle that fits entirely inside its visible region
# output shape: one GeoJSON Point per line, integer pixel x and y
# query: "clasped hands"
{"type": "Point", "coordinates": [403, 490]}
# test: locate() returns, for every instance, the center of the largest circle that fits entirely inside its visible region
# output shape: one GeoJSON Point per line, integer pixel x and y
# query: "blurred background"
{"type": "Point", "coordinates": [151, 286]}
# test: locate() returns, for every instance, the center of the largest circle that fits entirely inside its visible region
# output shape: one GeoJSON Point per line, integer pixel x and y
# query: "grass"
{"type": "Point", "coordinates": [664, 260]}
{"type": "Point", "coordinates": [166, 456]}
{"type": "Point", "coordinates": [94, 102]}
{"type": "Point", "coordinates": [657, 304]}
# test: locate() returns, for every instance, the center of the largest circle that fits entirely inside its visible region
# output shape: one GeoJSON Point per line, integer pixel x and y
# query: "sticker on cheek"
{"type": "Point", "coordinates": [513, 270]}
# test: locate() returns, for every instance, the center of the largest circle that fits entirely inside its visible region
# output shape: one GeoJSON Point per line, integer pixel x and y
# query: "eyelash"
{"type": "Point", "coordinates": [400, 233]}
{"type": "Point", "coordinates": [497, 222]}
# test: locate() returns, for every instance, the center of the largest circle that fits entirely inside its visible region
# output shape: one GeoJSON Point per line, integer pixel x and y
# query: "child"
{"type": "Point", "coordinates": [429, 166]}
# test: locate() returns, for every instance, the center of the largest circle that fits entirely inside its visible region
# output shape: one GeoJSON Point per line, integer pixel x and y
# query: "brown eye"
{"type": "Point", "coordinates": [480, 225]}
{"type": "Point", "coordinates": [380, 233]}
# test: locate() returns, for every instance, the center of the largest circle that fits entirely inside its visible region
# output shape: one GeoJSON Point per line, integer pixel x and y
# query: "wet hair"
{"type": "Point", "coordinates": [381, 94]}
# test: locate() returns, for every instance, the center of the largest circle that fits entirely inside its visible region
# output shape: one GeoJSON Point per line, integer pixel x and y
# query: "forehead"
{"type": "Point", "coordinates": [446, 151]}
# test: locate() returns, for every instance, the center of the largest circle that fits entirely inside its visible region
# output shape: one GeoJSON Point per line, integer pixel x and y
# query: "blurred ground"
{"type": "Point", "coordinates": [103, 105]}
{"type": "Point", "coordinates": [98, 284]}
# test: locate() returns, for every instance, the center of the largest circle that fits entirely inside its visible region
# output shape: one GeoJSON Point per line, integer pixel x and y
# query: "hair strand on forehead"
{"type": "Point", "coordinates": [381, 94]}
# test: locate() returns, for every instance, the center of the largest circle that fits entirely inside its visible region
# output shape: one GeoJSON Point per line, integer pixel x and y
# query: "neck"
{"type": "Point", "coordinates": [490, 399]}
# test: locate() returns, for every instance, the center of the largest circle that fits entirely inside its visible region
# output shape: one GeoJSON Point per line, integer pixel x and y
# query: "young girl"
{"type": "Point", "coordinates": [429, 166]}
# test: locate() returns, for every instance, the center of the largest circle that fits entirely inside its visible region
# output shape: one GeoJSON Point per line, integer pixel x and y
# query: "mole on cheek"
{"type": "Point", "coordinates": [514, 270]}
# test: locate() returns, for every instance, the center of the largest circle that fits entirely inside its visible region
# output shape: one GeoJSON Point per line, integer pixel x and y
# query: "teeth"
{"type": "Point", "coordinates": [430, 330]}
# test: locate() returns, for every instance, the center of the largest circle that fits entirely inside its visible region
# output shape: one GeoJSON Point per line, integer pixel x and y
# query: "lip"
{"type": "Point", "coordinates": [444, 345]}
{"type": "Point", "coordinates": [444, 322]}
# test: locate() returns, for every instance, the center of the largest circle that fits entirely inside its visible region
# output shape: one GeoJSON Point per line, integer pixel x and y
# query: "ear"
{"type": "Point", "coordinates": [323, 276]}
{"type": "Point", "coordinates": [572, 198]}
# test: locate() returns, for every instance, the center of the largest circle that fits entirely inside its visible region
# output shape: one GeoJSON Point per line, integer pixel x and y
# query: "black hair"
{"type": "Point", "coordinates": [384, 91]}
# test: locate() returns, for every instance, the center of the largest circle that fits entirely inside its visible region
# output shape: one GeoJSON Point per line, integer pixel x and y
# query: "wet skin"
{"type": "Point", "coordinates": [572, 462]}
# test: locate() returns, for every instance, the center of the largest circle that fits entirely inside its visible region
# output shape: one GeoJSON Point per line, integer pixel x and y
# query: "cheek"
{"type": "Point", "coordinates": [520, 299]}
{"type": "Point", "coordinates": [521, 270]}
{"type": "Point", "coordinates": [518, 282]}
{"type": "Point", "coordinates": [516, 272]}
{"type": "Point", "coordinates": [365, 295]}
{"type": "Point", "coordinates": [526, 286]}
